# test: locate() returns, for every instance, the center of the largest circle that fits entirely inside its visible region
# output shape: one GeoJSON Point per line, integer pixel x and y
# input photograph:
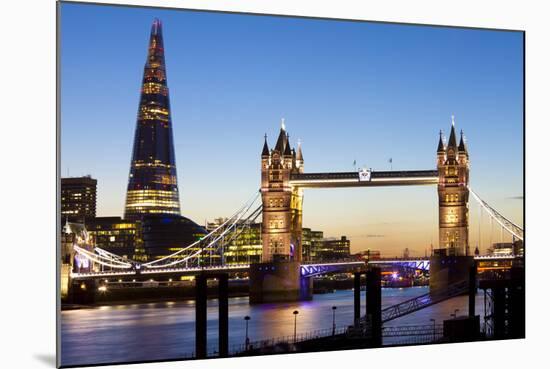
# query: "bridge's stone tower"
{"type": "Point", "coordinates": [453, 165]}
{"type": "Point", "coordinates": [451, 262]}
{"type": "Point", "coordinates": [75, 292]}
{"type": "Point", "coordinates": [282, 203]}
{"type": "Point", "coordinates": [277, 278]}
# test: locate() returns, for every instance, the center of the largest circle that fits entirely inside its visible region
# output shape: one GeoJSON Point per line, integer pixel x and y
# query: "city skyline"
{"type": "Point", "coordinates": [206, 90]}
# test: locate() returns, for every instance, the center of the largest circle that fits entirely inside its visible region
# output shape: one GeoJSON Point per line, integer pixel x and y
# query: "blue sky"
{"type": "Point", "coordinates": [349, 90]}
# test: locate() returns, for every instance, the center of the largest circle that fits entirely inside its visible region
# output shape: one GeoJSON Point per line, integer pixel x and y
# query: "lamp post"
{"type": "Point", "coordinates": [246, 341]}
{"type": "Point", "coordinates": [433, 320]}
{"type": "Point", "coordinates": [334, 320]}
{"type": "Point", "coordinates": [295, 312]}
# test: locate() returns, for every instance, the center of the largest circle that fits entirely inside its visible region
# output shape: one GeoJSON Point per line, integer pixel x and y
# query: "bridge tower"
{"type": "Point", "coordinates": [282, 203]}
{"type": "Point", "coordinates": [451, 262]}
{"type": "Point", "coordinates": [277, 278]}
{"type": "Point", "coordinates": [71, 291]}
{"type": "Point", "coordinates": [453, 165]}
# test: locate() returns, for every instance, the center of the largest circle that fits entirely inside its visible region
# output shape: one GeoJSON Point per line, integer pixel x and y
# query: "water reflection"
{"type": "Point", "coordinates": [165, 330]}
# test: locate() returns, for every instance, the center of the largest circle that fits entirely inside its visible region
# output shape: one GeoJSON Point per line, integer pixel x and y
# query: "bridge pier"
{"type": "Point", "coordinates": [446, 270]}
{"type": "Point", "coordinates": [373, 299]}
{"type": "Point", "coordinates": [506, 304]}
{"type": "Point", "coordinates": [82, 292]}
{"type": "Point", "coordinates": [223, 315]}
{"type": "Point", "coordinates": [201, 314]}
{"type": "Point", "coordinates": [472, 291]}
{"type": "Point", "coordinates": [278, 281]}
{"type": "Point", "coordinates": [374, 305]}
{"type": "Point", "coordinates": [356, 297]}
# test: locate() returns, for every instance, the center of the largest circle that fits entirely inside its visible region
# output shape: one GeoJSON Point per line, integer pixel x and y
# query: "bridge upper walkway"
{"type": "Point", "coordinates": [352, 179]}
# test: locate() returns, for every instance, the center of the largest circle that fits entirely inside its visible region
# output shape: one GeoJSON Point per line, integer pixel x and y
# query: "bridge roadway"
{"type": "Point", "coordinates": [352, 179]}
{"type": "Point", "coordinates": [424, 263]}
{"type": "Point", "coordinates": [307, 270]}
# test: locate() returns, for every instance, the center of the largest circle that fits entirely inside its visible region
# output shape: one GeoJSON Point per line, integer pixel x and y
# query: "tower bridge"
{"type": "Point", "coordinates": [282, 274]}
{"type": "Point", "coordinates": [284, 180]}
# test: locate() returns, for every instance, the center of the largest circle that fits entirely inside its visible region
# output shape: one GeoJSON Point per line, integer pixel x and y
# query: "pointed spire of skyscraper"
{"type": "Point", "coordinates": [152, 186]}
{"type": "Point", "coordinates": [155, 55]}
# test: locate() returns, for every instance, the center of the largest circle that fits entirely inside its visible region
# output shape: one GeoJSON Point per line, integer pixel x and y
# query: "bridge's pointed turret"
{"type": "Point", "coordinates": [452, 149]}
{"type": "Point", "coordinates": [462, 145]}
{"type": "Point", "coordinates": [281, 140]}
{"type": "Point", "coordinates": [299, 155]}
{"type": "Point", "coordinates": [441, 149]}
{"type": "Point", "coordinates": [265, 150]}
{"type": "Point", "coordinates": [441, 145]}
{"type": "Point", "coordinates": [288, 151]}
{"type": "Point", "coordinates": [452, 136]}
{"type": "Point", "coordinates": [299, 158]}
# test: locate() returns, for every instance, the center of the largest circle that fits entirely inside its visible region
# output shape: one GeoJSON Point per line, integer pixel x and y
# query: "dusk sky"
{"type": "Point", "coordinates": [349, 90]}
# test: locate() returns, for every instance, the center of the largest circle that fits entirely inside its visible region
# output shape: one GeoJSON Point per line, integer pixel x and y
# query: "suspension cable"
{"type": "Point", "coordinates": [512, 228]}
{"type": "Point", "coordinates": [234, 220]}
{"type": "Point", "coordinates": [98, 259]}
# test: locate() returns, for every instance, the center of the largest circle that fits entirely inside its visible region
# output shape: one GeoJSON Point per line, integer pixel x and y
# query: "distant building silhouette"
{"type": "Point", "coordinates": [78, 198]}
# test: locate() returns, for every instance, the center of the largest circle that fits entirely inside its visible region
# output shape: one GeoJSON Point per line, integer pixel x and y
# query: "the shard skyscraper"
{"type": "Point", "coordinates": [152, 185]}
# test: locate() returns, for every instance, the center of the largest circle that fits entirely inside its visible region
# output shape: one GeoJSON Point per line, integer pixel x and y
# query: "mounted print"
{"type": "Point", "coordinates": [238, 184]}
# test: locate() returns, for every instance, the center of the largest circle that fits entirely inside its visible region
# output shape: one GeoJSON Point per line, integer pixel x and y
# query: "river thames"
{"type": "Point", "coordinates": [166, 330]}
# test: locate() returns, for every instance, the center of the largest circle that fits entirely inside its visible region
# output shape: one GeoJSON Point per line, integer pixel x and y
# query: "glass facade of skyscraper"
{"type": "Point", "coordinates": [152, 186]}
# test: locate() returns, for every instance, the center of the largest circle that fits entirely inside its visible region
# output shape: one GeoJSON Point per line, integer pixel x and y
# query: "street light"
{"type": "Point", "coordinates": [295, 312]}
{"type": "Point", "coordinates": [433, 320]}
{"type": "Point", "coordinates": [246, 341]}
{"type": "Point", "coordinates": [334, 320]}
